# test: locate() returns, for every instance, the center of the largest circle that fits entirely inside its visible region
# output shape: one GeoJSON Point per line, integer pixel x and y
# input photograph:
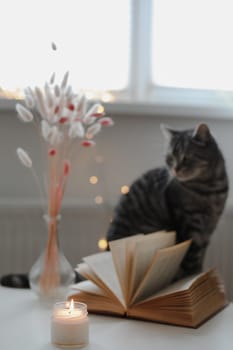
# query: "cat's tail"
{"type": "Point", "coordinates": [20, 280]}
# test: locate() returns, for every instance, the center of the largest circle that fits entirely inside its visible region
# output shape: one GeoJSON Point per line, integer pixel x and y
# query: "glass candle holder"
{"type": "Point", "coordinates": [70, 325]}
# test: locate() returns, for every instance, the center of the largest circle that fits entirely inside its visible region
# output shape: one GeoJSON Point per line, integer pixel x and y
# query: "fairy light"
{"type": "Point", "coordinates": [124, 189]}
{"type": "Point", "coordinates": [99, 199]}
{"type": "Point", "coordinates": [93, 180]}
{"type": "Point", "coordinates": [89, 136]}
{"type": "Point", "coordinates": [89, 95]}
{"type": "Point", "coordinates": [102, 244]}
{"type": "Point", "coordinates": [99, 159]}
{"type": "Point", "coordinates": [100, 109]}
{"type": "Point", "coordinates": [107, 97]}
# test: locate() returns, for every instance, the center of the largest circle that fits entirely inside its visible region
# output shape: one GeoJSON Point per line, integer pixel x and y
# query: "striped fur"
{"type": "Point", "coordinates": [187, 195]}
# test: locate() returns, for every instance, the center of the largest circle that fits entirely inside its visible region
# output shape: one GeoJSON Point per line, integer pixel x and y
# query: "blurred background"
{"type": "Point", "coordinates": [148, 62]}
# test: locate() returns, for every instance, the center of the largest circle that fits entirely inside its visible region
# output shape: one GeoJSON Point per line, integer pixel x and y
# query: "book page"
{"type": "Point", "coordinates": [188, 302]}
{"type": "Point", "coordinates": [181, 285]}
{"type": "Point", "coordinates": [102, 265]}
{"type": "Point", "coordinates": [120, 254]}
{"type": "Point", "coordinates": [89, 287]}
{"type": "Point", "coordinates": [162, 270]}
{"type": "Point", "coordinates": [85, 270]}
{"type": "Point", "coordinates": [96, 298]}
{"type": "Point", "coordinates": [144, 252]}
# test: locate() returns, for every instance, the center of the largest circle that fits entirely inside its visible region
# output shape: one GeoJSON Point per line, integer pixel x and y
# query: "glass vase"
{"type": "Point", "coordinates": [51, 274]}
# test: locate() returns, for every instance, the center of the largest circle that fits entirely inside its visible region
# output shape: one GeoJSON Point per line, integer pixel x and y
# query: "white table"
{"type": "Point", "coordinates": [25, 325]}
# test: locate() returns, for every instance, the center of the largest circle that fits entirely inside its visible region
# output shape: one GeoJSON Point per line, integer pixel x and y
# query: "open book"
{"type": "Point", "coordinates": [134, 279]}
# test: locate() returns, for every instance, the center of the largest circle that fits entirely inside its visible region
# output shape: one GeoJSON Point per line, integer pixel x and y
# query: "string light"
{"type": "Point", "coordinates": [89, 136]}
{"type": "Point", "coordinates": [124, 189]}
{"type": "Point", "coordinates": [102, 244]}
{"type": "Point", "coordinates": [107, 97]}
{"type": "Point", "coordinates": [99, 159]}
{"type": "Point", "coordinates": [99, 199]}
{"type": "Point", "coordinates": [93, 180]}
{"type": "Point", "coordinates": [100, 109]}
{"type": "Point", "coordinates": [89, 95]}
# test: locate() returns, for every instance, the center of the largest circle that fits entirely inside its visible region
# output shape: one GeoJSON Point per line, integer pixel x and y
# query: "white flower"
{"type": "Point", "coordinates": [52, 79]}
{"type": "Point", "coordinates": [89, 120]}
{"type": "Point", "coordinates": [55, 136]}
{"type": "Point", "coordinates": [61, 105]}
{"type": "Point", "coordinates": [90, 117]}
{"type": "Point", "coordinates": [49, 96]}
{"type": "Point", "coordinates": [93, 129]}
{"type": "Point", "coordinates": [29, 98]}
{"type": "Point", "coordinates": [64, 80]}
{"type": "Point", "coordinates": [93, 110]}
{"type": "Point", "coordinates": [82, 105]}
{"type": "Point", "coordinates": [24, 157]}
{"type": "Point", "coordinates": [66, 112]}
{"type": "Point", "coordinates": [45, 129]}
{"type": "Point", "coordinates": [76, 130]}
{"type": "Point", "coordinates": [24, 114]}
{"type": "Point", "coordinates": [106, 121]}
{"type": "Point", "coordinates": [68, 91]}
{"type": "Point", "coordinates": [29, 101]}
{"type": "Point", "coordinates": [54, 46]}
{"type": "Point", "coordinates": [88, 143]}
{"type": "Point", "coordinates": [57, 90]}
{"type": "Point", "coordinates": [41, 105]}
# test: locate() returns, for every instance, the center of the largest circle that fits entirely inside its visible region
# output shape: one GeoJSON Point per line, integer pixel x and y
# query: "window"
{"type": "Point", "coordinates": [144, 52]}
{"type": "Point", "coordinates": [90, 39]}
{"type": "Point", "coordinates": [192, 44]}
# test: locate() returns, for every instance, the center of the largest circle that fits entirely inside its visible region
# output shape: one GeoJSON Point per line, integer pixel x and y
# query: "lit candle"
{"type": "Point", "coordinates": [69, 325]}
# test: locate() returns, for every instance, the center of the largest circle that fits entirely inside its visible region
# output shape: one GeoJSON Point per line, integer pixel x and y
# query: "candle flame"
{"type": "Point", "coordinates": [71, 308]}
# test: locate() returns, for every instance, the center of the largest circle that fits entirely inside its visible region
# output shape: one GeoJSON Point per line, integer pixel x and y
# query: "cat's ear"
{"type": "Point", "coordinates": [201, 133]}
{"type": "Point", "coordinates": [167, 131]}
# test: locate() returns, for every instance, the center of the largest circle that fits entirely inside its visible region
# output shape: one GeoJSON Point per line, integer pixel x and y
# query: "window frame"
{"type": "Point", "coordinates": [142, 97]}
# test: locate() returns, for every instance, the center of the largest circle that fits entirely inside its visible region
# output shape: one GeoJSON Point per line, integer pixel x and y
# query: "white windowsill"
{"type": "Point", "coordinates": [166, 102]}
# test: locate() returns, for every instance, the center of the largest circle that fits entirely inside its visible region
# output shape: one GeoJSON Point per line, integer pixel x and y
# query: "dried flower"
{"type": "Point", "coordinates": [66, 168]}
{"type": "Point", "coordinates": [45, 129]}
{"type": "Point", "coordinates": [52, 79]}
{"type": "Point", "coordinates": [64, 81]}
{"type": "Point", "coordinates": [52, 152]}
{"type": "Point", "coordinates": [55, 136]}
{"type": "Point", "coordinates": [24, 157]}
{"type": "Point", "coordinates": [94, 129]}
{"type": "Point", "coordinates": [88, 143]}
{"type": "Point", "coordinates": [41, 105]}
{"type": "Point", "coordinates": [76, 130]}
{"type": "Point", "coordinates": [64, 117]}
{"type": "Point", "coordinates": [106, 121]}
{"type": "Point", "coordinates": [94, 109]}
{"type": "Point", "coordinates": [54, 46]}
{"type": "Point", "coordinates": [70, 107]}
{"type": "Point", "coordinates": [65, 122]}
{"type": "Point", "coordinates": [24, 114]}
{"type": "Point", "coordinates": [29, 101]}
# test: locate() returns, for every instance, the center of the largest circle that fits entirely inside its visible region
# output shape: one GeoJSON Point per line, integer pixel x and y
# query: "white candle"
{"type": "Point", "coordinates": [69, 324]}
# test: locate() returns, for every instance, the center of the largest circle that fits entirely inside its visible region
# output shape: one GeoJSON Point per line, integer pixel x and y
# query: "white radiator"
{"type": "Point", "coordinates": [23, 234]}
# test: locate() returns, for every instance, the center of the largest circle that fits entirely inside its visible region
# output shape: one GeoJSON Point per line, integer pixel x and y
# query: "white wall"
{"type": "Point", "coordinates": [132, 146]}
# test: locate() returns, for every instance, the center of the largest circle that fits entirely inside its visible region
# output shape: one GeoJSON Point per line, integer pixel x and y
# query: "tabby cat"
{"type": "Point", "coordinates": [187, 195]}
